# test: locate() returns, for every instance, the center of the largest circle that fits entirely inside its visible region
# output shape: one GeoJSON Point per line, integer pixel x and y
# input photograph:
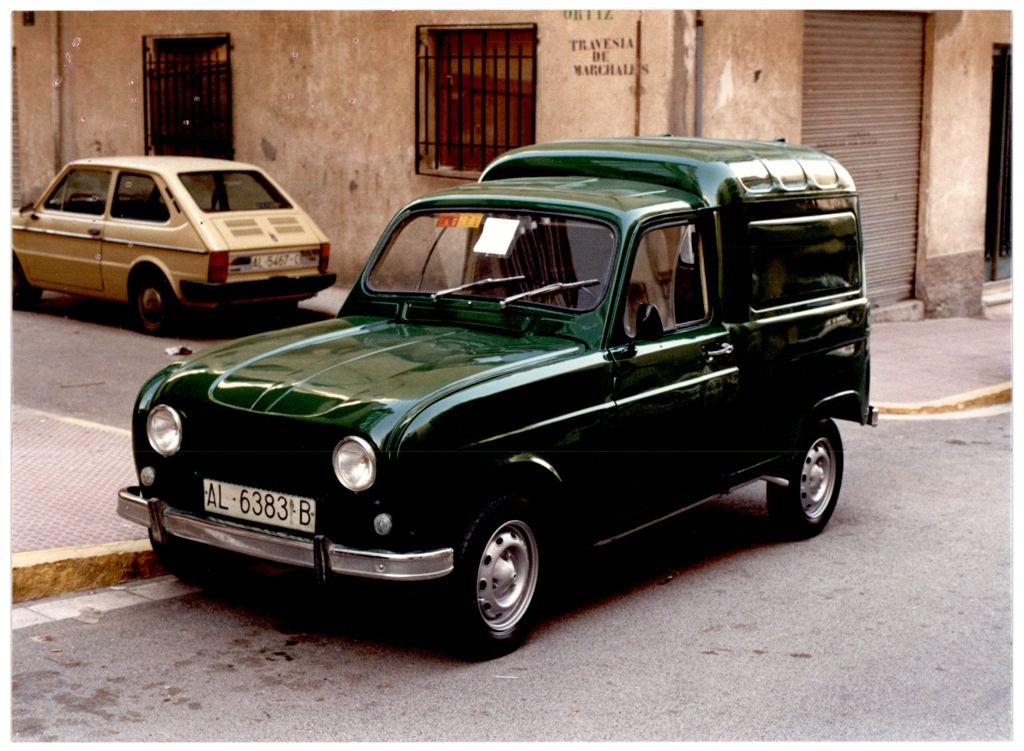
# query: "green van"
{"type": "Point", "coordinates": [596, 336]}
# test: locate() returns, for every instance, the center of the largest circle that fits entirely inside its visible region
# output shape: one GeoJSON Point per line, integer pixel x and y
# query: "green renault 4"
{"type": "Point", "coordinates": [594, 337]}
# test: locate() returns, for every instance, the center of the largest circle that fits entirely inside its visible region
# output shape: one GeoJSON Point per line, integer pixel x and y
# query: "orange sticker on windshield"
{"type": "Point", "coordinates": [465, 221]}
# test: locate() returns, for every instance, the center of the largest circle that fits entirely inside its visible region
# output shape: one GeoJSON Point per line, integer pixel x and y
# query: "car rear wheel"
{"type": "Point", "coordinates": [802, 509]}
{"type": "Point", "coordinates": [495, 581]}
{"type": "Point", "coordinates": [154, 304]}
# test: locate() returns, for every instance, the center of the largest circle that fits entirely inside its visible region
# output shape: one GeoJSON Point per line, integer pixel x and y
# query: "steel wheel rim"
{"type": "Point", "coordinates": [817, 478]}
{"type": "Point", "coordinates": [151, 305]}
{"type": "Point", "coordinates": [506, 577]}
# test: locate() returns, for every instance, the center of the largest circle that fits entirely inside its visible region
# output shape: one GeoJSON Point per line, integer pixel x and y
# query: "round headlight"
{"type": "Point", "coordinates": [355, 463]}
{"type": "Point", "coordinates": [163, 428]}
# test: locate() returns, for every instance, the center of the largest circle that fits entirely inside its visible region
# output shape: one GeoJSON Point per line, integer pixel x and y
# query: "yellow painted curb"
{"type": "Point", "coordinates": [45, 573]}
{"type": "Point", "coordinates": [980, 398]}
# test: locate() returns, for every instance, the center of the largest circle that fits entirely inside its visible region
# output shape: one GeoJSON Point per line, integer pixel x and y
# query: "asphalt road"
{"type": "Point", "coordinates": [895, 624]}
{"type": "Point", "coordinates": [80, 358]}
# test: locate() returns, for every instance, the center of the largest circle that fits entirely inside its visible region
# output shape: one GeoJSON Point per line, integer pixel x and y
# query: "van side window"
{"type": "Point", "coordinates": [668, 273]}
{"type": "Point", "coordinates": [137, 197]}
{"type": "Point", "coordinates": [796, 259]}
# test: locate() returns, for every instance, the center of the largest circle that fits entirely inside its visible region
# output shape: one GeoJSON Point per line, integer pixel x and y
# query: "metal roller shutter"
{"type": "Point", "coordinates": [862, 98]}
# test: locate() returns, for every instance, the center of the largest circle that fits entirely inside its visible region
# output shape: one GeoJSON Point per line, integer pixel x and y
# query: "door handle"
{"type": "Point", "coordinates": [711, 351]}
{"type": "Point", "coordinates": [95, 231]}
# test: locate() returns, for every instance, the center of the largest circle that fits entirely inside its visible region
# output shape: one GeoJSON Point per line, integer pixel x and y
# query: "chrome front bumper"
{"type": "Point", "coordinates": [319, 553]}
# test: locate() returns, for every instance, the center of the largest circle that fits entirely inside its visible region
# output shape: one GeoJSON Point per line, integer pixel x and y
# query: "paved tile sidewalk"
{"type": "Point", "coordinates": [937, 358]}
{"type": "Point", "coordinates": [65, 475]}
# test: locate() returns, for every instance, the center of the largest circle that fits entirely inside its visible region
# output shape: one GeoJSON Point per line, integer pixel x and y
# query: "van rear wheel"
{"type": "Point", "coordinates": [815, 476]}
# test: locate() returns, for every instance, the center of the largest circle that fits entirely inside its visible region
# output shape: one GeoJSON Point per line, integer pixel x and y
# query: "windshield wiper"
{"type": "Point", "coordinates": [477, 283]}
{"type": "Point", "coordinates": [553, 287]}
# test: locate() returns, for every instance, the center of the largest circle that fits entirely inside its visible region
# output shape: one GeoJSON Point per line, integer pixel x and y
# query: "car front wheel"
{"type": "Point", "coordinates": [815, 475]}
{"type": "Point", "coordinates": [495, 581]}
{"type": "Point", "coordinates": [23, 294]}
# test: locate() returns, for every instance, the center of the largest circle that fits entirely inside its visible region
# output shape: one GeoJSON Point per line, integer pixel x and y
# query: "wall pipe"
{"type": "Point", "coordinates": [698, 75]}
{"type": "Point", "coordinates": [58, 98]}
{"type": "Point", "coordinates": [636, 85]}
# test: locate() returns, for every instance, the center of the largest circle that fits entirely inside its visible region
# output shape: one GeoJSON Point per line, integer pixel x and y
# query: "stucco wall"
{"type": "Point", "coordinates": [752, 74]}
{"type": "Point", "coordinates": [958, 99]}
{"type": "Point", "coordinates": [38, 82]}
{"type": "Point", "coordinates": [325, 100]}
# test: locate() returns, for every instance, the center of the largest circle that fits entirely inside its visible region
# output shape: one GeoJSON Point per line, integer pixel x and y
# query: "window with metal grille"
{"type": "Point", "coordinates": [475, 95]}
{"type": "Point", "coordinates": [188, 96]}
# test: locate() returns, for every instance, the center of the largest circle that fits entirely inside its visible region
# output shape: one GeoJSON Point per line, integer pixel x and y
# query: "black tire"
{"type": "Point", "coordinates": [187, 560]}
{"type": "Point", "coordinates": [23, 295]}
{"type": "Point", "coordinates": [153, 304]}
{"type": "Point", "coordinates": [815, 475]}
{"type": "Point", "coordinates": [493, 590]}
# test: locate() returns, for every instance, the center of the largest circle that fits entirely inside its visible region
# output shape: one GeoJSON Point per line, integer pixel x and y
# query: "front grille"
{"type": "Point", "coordinates": [258, 451]}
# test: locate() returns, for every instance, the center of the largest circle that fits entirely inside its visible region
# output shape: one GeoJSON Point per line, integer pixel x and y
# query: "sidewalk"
{"type": "Point", "coordinates": [935, 365]}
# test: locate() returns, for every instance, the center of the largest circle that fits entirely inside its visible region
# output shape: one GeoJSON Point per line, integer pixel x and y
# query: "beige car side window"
{"type": "Point", "coordinates": [81, 192]}
{"type": "Point", "coordinates": [138, 197]}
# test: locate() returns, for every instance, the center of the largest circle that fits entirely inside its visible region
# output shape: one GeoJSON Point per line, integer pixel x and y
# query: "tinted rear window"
{"type": "Point", "coordinates": [232, 191]}
{"type": "Point", "coordinates": [808, 257]}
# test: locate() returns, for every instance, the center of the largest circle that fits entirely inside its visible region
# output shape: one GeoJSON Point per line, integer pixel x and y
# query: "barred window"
{"type": "Point", "coordinates": [188, 96]}
{"type": "Point", "coordinates": [475, 95]}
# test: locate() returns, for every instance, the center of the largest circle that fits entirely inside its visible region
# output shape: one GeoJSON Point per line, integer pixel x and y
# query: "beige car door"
{"type": "Point", "coordinates": [142, 224]}
{"type": "Point", "coordinates": [61, 245]}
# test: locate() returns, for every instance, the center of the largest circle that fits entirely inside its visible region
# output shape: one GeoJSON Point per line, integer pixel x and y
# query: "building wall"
{"type": "Point", "coordinates": [325, 101]}
{"type": "Point", "coordinates": [958, 98]}
{"type": "Point", "coordinates": [39, 83]}
{"type": "Point", "coordinates": [752, 74]}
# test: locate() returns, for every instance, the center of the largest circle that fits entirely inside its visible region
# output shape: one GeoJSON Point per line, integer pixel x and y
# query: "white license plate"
{"type": "Point", "coordinates": [270, 261]}
{"type": "Point", "coordinates": [256, 505]}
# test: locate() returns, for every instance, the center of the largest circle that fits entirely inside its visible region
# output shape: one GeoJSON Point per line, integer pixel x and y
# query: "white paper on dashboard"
{"type": "Point", "coordinates": [497, 237]}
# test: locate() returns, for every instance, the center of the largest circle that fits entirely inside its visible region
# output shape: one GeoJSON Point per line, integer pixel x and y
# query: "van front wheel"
{"type": "Point", "coordinates": [494, 586]}
{"type": "Point", "coordinates": [815, 475]}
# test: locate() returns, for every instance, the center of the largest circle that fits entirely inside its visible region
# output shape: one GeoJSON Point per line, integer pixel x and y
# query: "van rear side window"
{"type": "Point", "coordinates": [797, 259]}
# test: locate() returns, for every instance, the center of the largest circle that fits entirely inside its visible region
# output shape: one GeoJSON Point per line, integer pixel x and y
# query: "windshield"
{"type": "Point", "coordinates": [507, 257]}
{"type": "Point", "coordinates": [232, 191]}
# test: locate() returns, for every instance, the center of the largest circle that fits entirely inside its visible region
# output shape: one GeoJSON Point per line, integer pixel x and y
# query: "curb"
{"type": "Point", "coordinates": [45, 573]}
{"type": "Point", "coordinates": [985, 397]}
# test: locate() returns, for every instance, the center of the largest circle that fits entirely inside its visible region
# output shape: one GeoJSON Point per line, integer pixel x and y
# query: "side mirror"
{"type": "Point", "coordinates": [649, 327]}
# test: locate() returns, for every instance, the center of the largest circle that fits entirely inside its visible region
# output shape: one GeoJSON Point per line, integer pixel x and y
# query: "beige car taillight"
{"type": "Point", "coordinates": [325, 256]}
{"type": "Point", "coordinates": [218, 266]}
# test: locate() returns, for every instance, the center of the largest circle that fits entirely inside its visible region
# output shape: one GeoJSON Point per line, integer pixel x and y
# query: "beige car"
{"type": "Point", "coordinates": [162, 232]}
